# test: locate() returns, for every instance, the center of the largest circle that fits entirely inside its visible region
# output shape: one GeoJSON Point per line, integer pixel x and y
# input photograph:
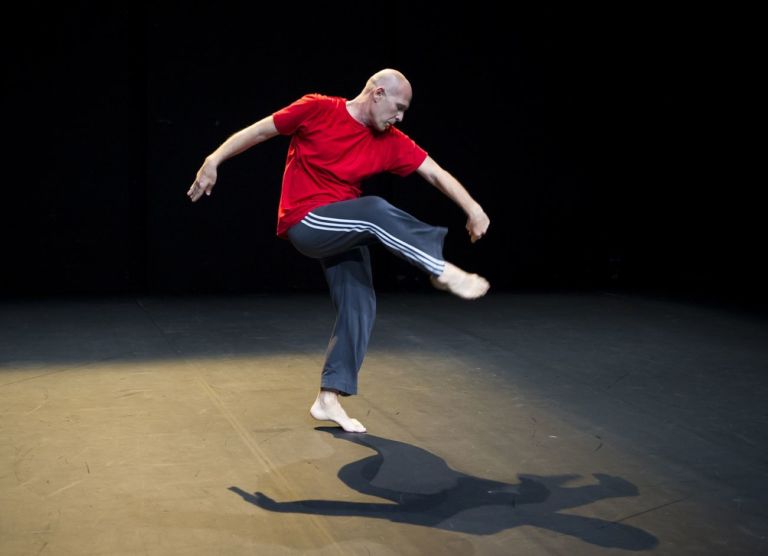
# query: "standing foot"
{"type": "Point", "coordinates": [328, 408]}
{"type": "Point", "coordinates": [460, 283]}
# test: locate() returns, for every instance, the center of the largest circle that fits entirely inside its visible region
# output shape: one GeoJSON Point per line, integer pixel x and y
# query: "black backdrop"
{"type": "Point", "coordinates": [605, 146]}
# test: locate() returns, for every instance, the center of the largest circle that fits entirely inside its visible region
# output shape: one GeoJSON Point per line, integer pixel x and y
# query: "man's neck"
{"type": "Point", "coordinates": [356, 108]}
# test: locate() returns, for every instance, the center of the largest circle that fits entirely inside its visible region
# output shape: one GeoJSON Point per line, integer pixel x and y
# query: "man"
{"type": "Point", "coordinates": [335, 145]}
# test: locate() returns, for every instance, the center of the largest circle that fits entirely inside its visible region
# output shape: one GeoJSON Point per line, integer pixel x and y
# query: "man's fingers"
{"type": "Point", "coordinates": [474, 236]}
{"type": "Point", "coordinates": [196, 190]}
{"type": "Point", "coordinates": [477, 227]}
{"type": "Point", "coordinates": [476, 232]}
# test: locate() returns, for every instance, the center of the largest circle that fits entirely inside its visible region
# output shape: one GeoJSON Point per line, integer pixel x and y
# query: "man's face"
{"type": "Point", "coordinates": [391, 104]}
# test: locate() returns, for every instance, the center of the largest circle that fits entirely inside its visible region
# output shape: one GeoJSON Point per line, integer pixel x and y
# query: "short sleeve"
{"type": "Point", "coordinates": [287, 120]}
{"type": "Point", "coordinates": [407, 155]}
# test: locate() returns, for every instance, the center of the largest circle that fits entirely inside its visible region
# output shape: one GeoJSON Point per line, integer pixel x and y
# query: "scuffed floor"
{"type": "Point", "coordinates": [579, 424]}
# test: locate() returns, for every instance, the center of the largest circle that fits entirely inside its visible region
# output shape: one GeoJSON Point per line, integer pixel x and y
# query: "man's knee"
{"type": "Point", "coordinates": [375, 204]}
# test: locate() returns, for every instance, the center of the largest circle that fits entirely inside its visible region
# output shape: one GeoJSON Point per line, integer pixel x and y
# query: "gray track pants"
{"type": "Point", "coordinates": [338, 235]}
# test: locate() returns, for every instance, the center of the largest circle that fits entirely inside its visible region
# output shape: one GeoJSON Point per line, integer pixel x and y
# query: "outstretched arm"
{"type": "Point", "coordinates": [242, 140]}
{"type": "Point", "coordinates": [477, 220]}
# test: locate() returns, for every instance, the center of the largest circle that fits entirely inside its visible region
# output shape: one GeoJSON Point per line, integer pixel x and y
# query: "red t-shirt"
{"type": "Point", "coordinates": [331, 153]}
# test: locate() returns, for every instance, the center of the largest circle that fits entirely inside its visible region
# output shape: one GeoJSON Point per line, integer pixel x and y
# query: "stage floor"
{"type": "Point", "coordinates": [528, 423]}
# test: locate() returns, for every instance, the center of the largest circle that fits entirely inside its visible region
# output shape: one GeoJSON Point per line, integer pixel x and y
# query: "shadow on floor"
{"type": "Point", "coordinates": [423, 490]}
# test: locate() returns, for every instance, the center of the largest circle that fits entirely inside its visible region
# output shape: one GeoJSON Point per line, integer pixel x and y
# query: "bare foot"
{"type": "Point", "coordinates": [328, 408]}
{"type": "Point", "coordinates": [461, 283]}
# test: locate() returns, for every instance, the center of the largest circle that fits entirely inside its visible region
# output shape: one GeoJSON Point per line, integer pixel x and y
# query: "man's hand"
{"type": "Point", "coordinates": [204, 182]}
{"type": "Point", "coordinates": [477, 224]}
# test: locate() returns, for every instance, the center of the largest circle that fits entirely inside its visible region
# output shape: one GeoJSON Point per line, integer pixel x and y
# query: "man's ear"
{"type": "Point", "coordinates": [378, 94]}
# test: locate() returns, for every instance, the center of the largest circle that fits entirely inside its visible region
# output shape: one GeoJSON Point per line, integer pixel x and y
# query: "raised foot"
{"type": "Point", "coordinates": [328, 408]}
{"type": "Point", "coordinates": [461, 283]}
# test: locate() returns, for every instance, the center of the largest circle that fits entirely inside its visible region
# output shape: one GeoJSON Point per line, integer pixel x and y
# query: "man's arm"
{"type": "Point", "coordinates": [242, 140]}
{"type": "Point", "coordinates": [477, 220]}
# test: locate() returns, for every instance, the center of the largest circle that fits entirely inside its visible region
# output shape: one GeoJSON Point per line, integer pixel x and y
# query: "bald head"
{"type": "Point", "coordinates": [391, 80]}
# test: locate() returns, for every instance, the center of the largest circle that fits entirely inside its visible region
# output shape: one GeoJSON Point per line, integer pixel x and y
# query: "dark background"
{"type": "Point", "coordinates": [610, 148]}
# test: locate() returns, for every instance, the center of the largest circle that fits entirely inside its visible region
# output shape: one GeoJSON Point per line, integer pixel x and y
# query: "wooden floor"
{"type": "Point", "coordinates": [530, 423]}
